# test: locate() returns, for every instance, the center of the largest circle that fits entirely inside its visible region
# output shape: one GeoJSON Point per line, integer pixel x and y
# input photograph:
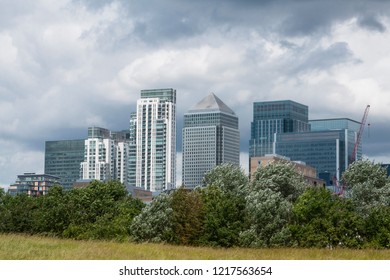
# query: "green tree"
{"type": "Point", "coordinates": [322, 219]}
{"type": "Point", "coordinates": [17, 213]}
{"type": "Point", "coordinates": [268, 214]}
{"type": "Point", "coordinates": [228, 177]}
{"type": "Point", "coordinates": [102, 210]}
{"type": "Point", "coordinates": [52, 215]}
{"type": "Point", "coordinates": [223, 217]}
{"type": "Point", "coordinates": [269, 198]}
{"type": "Point", "coordinates": [155, 222]}
{"type": "Point", "coordinates": [280, 177]}
{"type": "Point", "coordinates": [368, 185]}
{"type": "Point", "coordinates": [377, 227]}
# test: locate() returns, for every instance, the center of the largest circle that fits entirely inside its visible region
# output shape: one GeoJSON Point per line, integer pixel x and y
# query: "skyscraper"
{"type": "Point", "coordinates": [210, 137]}
{"type": "Point", "coordinates": [272, 117]}
{"type": "Point", "coordinates": [63, 158]}
{"type": "Point", "coordinates": [105, 155]}
{"type": "Point", "coordinates": [155, 140]}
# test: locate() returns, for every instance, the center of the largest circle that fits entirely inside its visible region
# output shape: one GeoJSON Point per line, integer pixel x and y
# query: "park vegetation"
{"type": "Point", "coordinates": [275, 208]}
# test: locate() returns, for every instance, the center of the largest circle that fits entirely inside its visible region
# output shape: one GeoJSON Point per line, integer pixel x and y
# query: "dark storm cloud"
{"type": "Point", "coordinates": [371, 23]}
{"type": "Point", "coordinates": [324, 58]}
{"type": "Point", "coordinates": [160, 22]}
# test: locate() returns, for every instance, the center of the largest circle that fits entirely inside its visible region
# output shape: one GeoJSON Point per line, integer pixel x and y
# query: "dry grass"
{"type": "Point", "coordinates": [23, 247]}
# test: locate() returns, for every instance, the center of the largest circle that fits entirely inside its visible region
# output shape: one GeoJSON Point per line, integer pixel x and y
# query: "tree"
{"type": "Point", "coordinates": [269, 198]}
{"type": "Point", "coordinates": [155, 222]}
{"type": "Point", "coordinates": [322, 219]}
{"type": "Point", "coordinates": [268, 214]}
{"type": "Point", "coordinates": [368, 185]}
{"type": "Point", "coordinates": [17, 213]}
{"type": "Point", "coordinates": [187, 206]}
{"type": "Point", "coordinates": [228, 177]}
{"type": "Point", "coordinates": [377, 227]}
{"type": "Point", "coordinates": [223, 217]}
{"type": "Point", "coordinates": [280, 177]}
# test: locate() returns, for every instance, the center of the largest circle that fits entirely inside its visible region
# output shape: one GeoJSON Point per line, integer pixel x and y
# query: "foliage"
{"type": "Point", "coordinates": [227, 176]}
{"type": "Point", "coordinates": [269, 200]}
{"type": "Point", "coordinates": [223, 218]}
{"type": "Point", "coordinates": [268, 214]}
{"type": "Point", "coordinates": [280, 177]}
{"type": "Point", "coordinates": [187, 207]}
{"type": "Point", "coordinates": [377, 227]}
{"type": "Point", "coordinates": [322, 219]}
{"type": "Point", "coordinates": [98, 211]}
{"type": "Point", "coordinates": [155, 222]}
{"type": "Point", "coordinates": [16, 213]}
{"type": "Point", "coordinates": [368, 185]}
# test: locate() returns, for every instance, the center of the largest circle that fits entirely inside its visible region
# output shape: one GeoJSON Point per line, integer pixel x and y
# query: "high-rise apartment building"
{"type": "Point", "coordinates": [132, 155]}
{"type": "Point", "coordinates": [63, 158]}
{"type": "Point", "coordinates": [155, 140]}
{"type": "Point", "coordinates": [210, 137]}
{"type": "Point", "coordinates": [105, 155]}
{"type": "Point", "coordinates": [273, 117]}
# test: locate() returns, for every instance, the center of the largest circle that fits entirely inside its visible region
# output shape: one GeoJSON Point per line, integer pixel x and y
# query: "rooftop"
{"type": "Point", "coordinates": [211, 103]}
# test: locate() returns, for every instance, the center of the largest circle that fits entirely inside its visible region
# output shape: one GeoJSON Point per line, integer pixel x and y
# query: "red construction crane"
{"type": "Point", "coordinates": [359, 134]}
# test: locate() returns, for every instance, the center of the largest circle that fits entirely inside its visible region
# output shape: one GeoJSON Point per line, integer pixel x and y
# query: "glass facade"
{"type": "Point", "coordinates": [210, 137]}
{"type": "Point", "coordinates": [63, 158]}
{"type": "Point", "coordinates": [324, 150]}
{"type": "Point", "coordinates": [275, 117]}
{"type": "Point", "coordinates": [328, 147]}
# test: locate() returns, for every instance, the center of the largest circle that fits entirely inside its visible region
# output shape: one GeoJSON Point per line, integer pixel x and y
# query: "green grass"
{"type": "Point", "coordinates": [24, 247]}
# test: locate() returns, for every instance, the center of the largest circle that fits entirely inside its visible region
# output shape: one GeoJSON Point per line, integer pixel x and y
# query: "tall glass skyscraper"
{"type": "Point", "coordinates": [210, 137]}
{"type": "Point", "coordinates": [272, 117]}
{"type": "Point", "coordinates": [63, 158]}
{"type": "Point", "coordinates": [155, 140]}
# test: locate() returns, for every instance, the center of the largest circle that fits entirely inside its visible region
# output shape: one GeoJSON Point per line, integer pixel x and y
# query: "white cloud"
{"type": "Point", "coordinates": [65, 65]}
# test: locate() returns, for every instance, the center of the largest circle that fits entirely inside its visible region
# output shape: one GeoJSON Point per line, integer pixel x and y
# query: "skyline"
{"type": "Point", "coordinates": [68, 65]}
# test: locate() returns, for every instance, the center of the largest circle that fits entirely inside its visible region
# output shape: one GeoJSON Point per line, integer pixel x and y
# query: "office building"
{"type": "Point", "coordinates": [105, 155]}
{"type": "Point", "coordinates": [33, 184]}
{"type": "Point", "coordinates": [272, 117]}
{"type": "Point", "coordinates": [63, 159]}
{"type": "Point", "coordinates": [210, 137]}
{"type": "Point", "coordinates": [328, 147]}
{"type": "Point", "coordinates": [155, 140]}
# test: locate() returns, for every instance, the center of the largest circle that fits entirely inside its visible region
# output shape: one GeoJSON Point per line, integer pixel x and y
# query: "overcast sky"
{"type": "Point", "coordinates": [66, 65]}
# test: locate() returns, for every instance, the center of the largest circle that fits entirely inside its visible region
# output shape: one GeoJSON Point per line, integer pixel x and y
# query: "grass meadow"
{"type": "Point", "coordinates": [25, 247]}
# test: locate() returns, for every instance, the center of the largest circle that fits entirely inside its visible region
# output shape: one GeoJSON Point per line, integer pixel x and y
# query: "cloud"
{"type": "Point", "coordinates": [371, 23]}
{"type": "Point", "coordinates": [66, 65]}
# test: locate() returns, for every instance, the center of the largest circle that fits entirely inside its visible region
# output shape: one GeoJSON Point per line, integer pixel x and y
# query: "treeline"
{"type": "Point", "coordinates": [274, 209]}
{"type": "Point", "coordinates": [98, 211]}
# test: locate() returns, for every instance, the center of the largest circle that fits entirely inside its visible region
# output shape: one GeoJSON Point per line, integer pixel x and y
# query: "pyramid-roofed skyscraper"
{"type": "Point", "coordinates": [210, 137]}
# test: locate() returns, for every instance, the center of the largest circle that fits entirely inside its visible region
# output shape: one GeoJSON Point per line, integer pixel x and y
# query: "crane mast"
{"type": "Point", "coordinates": [359, 134]}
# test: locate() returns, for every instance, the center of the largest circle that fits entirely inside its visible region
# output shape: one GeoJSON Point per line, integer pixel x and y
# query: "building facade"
{"type": "Point", "coordinates": [155, 140]}
{"type": "Point", "coordinates": [328, 147]}
{"type": "Point", "coordinates": [105, 155]}
{"type": "Point", "coordinates": [63, 159]}
{"type": "Point", "coordinates": [33, 184]}
{"type": "Point", "coordinates": [210, 137]}
{"type": "Point", "coordinates": [272, 117]}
